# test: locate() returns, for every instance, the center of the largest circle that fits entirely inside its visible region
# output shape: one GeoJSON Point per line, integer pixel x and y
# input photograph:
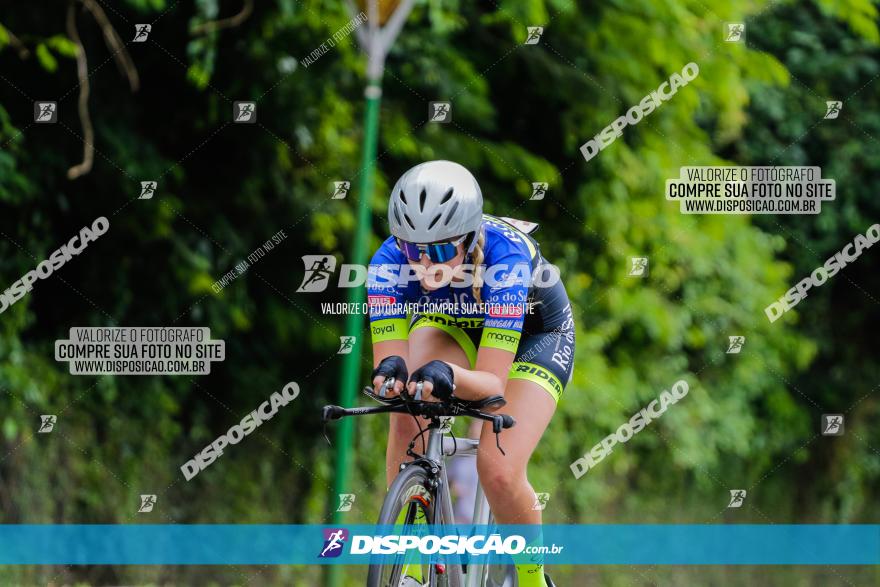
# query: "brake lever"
{"type": "Point", "coordinates": [324, 431]}
{"type": "Point", "coordinates": [389, 384]}
{"type": "Point", "coordinates": [325, 417]}
{"type": "Point", "coordinates": [497, 426]}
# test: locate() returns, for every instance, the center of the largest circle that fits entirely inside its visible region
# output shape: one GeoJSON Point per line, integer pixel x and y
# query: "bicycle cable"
{"type": "Point", "coordinates": [407, 400]}
{"type": "Point", "coordinates": [454, 442]}
{"type": "Point", "coordinates": [412, 443]}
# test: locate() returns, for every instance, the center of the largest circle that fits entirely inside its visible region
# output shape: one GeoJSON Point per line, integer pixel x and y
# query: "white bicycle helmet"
{"type": "Point", "coordinates": [435, 201]}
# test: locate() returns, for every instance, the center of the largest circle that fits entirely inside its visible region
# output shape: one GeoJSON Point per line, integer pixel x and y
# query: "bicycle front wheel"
{"type": "Point", "coordinates": [409, 502]}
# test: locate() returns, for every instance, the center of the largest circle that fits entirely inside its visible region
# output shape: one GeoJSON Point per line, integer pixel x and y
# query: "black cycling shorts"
{"type": "Point", "coordinates": [545, 354]}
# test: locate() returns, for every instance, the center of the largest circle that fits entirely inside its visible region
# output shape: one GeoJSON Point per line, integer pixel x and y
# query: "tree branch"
{"type": "Point", "coordinates": [225, 23]}
{"type": "Point", "coordinates": [114, 43]}
{"type": "Point", "coordinates": [82, 68]}
{"type": "Point", "coordinates": [16, 44]}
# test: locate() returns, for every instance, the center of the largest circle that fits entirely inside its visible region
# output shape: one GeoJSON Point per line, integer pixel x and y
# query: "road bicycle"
{"type": "Point", "coordinates": [420, 492]}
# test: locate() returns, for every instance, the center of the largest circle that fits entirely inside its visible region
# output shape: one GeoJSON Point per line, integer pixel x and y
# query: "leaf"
{"type": "Point", "coordinates": [47, 60]}
{"type": "Point", "coordinates": [10, 428]}
{"type": "Point", "coordinates": [198, 76]}
{"type": "Point", "coordinates": [62, 45]}
{"type": "Point", "coordinates": [861, 15]}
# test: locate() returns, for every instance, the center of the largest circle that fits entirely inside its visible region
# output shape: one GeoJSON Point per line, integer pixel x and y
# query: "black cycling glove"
{"type": "Point", "coordinates": [439, 374]}
{"type": "Point", "coordinates": [393, 366]}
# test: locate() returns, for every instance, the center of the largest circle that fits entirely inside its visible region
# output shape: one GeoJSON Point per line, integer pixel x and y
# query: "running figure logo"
{"type": "Point", "coordinates": [318, 271]}
{"type": "Point", "coordinates": [539, 189]}
{"type": "Point", "coordinates": [833, 108]}
{"type": "Point", "coordinates": [440, 112]}
{"type": "Point", "coordinates": [346, 500]}
{"type": "Point", "coordinates": [541, 500]}
{"type": "Point", "coordinates": [735, 31]}
{"type": "Point", "coordinates": [446, 423]}
{"type": "Point", "coordinates": [148, 188]}
{"type": "Point", "coordinates": [736, 344]}
{"type": "Point", "coordinates": [832, 424]}
{"type": "Point", "coordinates": [46, 112]}
{"type": "Point", "coordinates": [147, 503]}
{"type": "Point", "coordinates": [534, 34]}
{"type": "Point", "coordinates": [639, 267]}
{"type": "Point", "coordinates": [333, 542]}
{"type": "Point", "coordinates": [346, 346]}
{"type": "Point", "coordinates": [47, 424]}
{"type": "Point", "coordinates": [737, 497]}
{"type": "Point", "coordinates": [244, 112]}
{"type": "Point", "coordinates": [340, 190]}
{"type": "Point", "coordinates": [141, 32]}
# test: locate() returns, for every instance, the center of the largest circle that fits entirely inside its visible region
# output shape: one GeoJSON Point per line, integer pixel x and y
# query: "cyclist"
{"type": "Point", "coordinates": [519, 343]}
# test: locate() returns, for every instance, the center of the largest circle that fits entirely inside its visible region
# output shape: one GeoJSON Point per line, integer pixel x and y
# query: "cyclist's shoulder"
{"type": "Point", "coordinates": [387, 252]}
{"type": "Point", "coordinates": [504, 239]}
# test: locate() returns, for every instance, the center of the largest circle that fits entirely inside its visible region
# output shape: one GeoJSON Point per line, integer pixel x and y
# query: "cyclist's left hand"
{"type": "Point", "coordinates": [437, 378]}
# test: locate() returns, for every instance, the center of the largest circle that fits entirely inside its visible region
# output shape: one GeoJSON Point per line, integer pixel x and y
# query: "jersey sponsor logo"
{"type": "Point", "coordinates": [562, 357]}
{"type": "Point", "coordinates": [505, 324]}
{"type": "Point", "coordinates": [564, 351]}
{"type": "Point", "coordinates": [380, 330]}
{"type": "Point", "coordinates": [450, 321]}
{"type": "Point", "coordinates": [540, 374]}
{"type": "Point", "coordinates": [380, 300]}
{"type": "Point", "coordinates": [518, 295]}
{"type": "Point", "coordinates": [377, 316]}
{"type": "Point", "coordinates": [507, 338]}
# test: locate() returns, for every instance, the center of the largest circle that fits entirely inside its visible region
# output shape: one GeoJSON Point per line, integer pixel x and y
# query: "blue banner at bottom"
{"type": "Point", "coordinates": [739, 544]}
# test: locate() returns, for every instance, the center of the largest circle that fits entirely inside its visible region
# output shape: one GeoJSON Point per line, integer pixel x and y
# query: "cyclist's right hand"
{"type": "Point", "coordinates": [390, 367]}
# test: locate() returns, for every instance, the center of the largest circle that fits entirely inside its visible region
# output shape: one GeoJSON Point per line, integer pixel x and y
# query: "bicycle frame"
{"type": "Point", "coordinates": [482, 513]}
{"type": "Point", "coordinates": [439, 447]}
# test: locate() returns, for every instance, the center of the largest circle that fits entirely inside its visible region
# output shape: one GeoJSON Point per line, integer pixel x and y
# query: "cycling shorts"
{"type": "Point", "coordinates": [545, 353]}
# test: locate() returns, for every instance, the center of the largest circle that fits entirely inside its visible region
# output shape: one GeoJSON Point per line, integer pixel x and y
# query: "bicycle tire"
{"type": "Point", "coordinates": [411, 480]}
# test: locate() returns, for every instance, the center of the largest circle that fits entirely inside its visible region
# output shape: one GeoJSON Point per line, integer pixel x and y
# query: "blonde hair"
{"type": "Point", "coordinates": [477, 257]}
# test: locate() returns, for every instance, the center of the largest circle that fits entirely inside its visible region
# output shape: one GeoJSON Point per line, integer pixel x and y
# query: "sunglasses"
{"type": "Point", "coordinates": [437, 252]}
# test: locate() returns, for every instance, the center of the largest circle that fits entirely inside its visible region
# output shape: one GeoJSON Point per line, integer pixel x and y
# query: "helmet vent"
{"type": "Point", "coordinates": [422, 197]}
{"type": "Point", "coordinates": [408, 221]}
{"type": "Point", "coordinates": [403, 198]}
{"type": "Point", "coordinates": [433, 222]}
{"type": "Point", "coordinates": [447, 196]}
{"type": "Point", "coordinates": [397, 214]}
{"type": "Point", "coordinates": [451, 213]}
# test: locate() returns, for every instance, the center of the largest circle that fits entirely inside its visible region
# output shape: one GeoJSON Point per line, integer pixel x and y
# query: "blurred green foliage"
{"type": "Point", "coordinates": [519, 115]}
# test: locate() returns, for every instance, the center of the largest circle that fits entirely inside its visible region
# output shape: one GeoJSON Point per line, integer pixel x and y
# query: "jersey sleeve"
{"type": "Point", "coordinates": [385, 296]}
{"type": "Point", "coordinates": [505, 294]}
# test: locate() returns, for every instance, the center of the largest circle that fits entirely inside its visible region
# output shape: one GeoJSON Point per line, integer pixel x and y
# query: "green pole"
{"type": "Point", "coordinates": [351, 362]}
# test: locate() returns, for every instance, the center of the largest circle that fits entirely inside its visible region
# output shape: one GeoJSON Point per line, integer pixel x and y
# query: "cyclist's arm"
{"type": "Point", "coordinates": [502, 330]}
{"type": "Point", "coordinates": [388, 321]}
{"type": "Point", "coordinates": [489, 376]}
